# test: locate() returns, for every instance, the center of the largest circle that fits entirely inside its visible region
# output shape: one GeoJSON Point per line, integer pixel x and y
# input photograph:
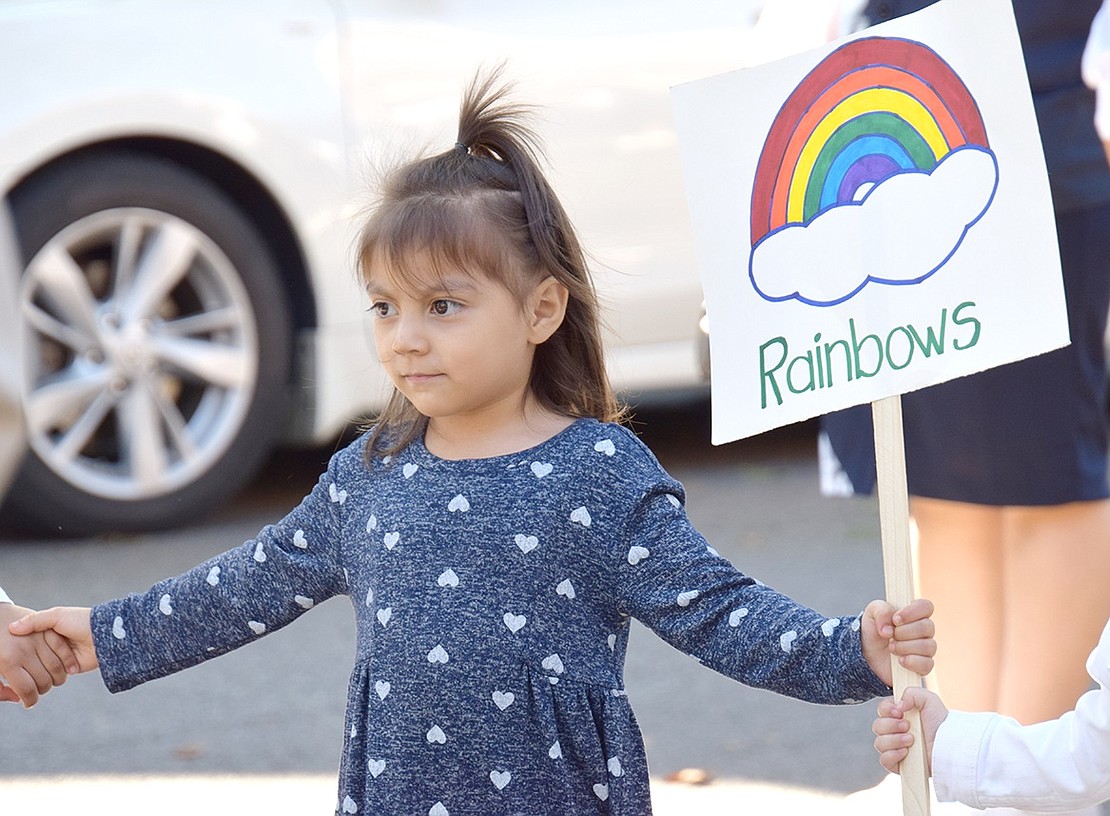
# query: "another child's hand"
{"type": "Point", "coordinates": [73, 623]}
{"type": "Point", "coordinates": [907, 633]}
{"type": "Point", "coordinates": [31, 666]}
{"type": "Point", "coordinates": [892, 731]}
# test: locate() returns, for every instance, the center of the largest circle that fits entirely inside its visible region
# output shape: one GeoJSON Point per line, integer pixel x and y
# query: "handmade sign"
{"type": "Point", "coordinates": [870, 218]}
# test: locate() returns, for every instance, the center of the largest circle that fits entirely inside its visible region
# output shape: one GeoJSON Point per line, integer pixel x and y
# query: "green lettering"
{"type": "Point", "coordinates": [807, 362]}
{"type": "Point", "coordinates": [768, 375]}
{"type": "Point", "coordinates": [959, 320]}
{"type": "Point", "coordinates": [932, 341]}
{"type": "Point", "coordinates": [829, 363]}
{"type": "Point", "coordinates": [857, 347]}
{"type": "Point", "coordinates": [909, 342]}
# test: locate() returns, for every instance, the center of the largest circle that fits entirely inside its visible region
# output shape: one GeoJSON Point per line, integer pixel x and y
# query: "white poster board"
{"type": "Point", "coordinates": [871, 218]}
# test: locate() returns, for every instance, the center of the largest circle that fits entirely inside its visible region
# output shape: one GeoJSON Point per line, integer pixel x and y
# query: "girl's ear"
{"type": "Point", "coordinates": [546, 309]}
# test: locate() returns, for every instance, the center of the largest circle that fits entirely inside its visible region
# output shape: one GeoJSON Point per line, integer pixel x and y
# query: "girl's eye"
{"type": "Point", "coordinates": [444, 307]}
{"type": "Point", "coordinates": [381, 308]}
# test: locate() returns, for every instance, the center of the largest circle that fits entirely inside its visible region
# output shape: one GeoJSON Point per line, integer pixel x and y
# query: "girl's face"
{"type": "Point", "coordinates": [459, 347]}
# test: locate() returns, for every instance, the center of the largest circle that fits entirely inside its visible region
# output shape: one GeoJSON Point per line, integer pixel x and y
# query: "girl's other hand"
{"type": "Point", "coordinates": [907, 633]}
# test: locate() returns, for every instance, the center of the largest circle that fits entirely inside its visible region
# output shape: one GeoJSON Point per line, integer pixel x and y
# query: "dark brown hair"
{"type": "Point", "coordinates": [484, 207]}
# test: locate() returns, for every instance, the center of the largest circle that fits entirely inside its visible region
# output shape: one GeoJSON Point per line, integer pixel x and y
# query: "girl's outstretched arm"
{"type": "Point", "coordinates": [71, 623]}
{"type": "Point", "coordinates": [907, 633]}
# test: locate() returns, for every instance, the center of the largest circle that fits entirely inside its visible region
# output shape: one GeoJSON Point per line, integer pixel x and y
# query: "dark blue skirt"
{"type": "Point", "coordinates": [1032, 432]}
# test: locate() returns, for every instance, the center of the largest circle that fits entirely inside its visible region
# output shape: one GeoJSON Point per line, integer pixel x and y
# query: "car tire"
{"type": "Point", "coordinates": [156, 346]}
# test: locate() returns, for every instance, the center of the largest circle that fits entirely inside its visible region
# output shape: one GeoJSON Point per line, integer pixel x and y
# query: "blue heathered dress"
{"type": "Point", "coordinates": [492, 599]}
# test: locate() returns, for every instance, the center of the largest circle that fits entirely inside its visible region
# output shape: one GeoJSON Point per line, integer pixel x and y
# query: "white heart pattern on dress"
{"type": "Point", "coordinates": [448, 578]}
{"type": "Point", "coordinates": [409, 468]}
{"type": "Point", "coordinates": [541, 469]}
{"type": "Point", "coordinates": [687, 597]}
{"type": "Point", "coordinates": [371, 523]}
{"type": "Point", "coordinates": [257, 627]}
{"type": "Point", "coordinates": [828, 626]}
{"type": "Point", "coordinates": [259, 553]}
{"type": "Point", "coordinates": [304, 602]}
{"type": "Point", "coordinates": [673, 499]}
{"type": "Point", "coordinates": [605, 446]}
{"type": "Point", "coordinates": [737, 615]}
{"type": "Point", "coordinates": [435, 735]}
{"type": "Point", "coordinates": [636, 554]}
{"type": "Point", "coordinates": [349, 805]}
{"type": "Point", "coordinates": [438, 810]}
{"type": "Point", "coordinates": [612, 641]}
{"type": "Point", "coordinates": [390, 540]}
{"type": "Point", "coordinates": [601, 791]}
{"type": "Point", "coordinates": [213, 576]}
{"type": "Point", "coordinates": [117, 628]}
{"type": "Point", "coordinates": [787, 639]}
{"type": "Point", "coordinates": [581, 515]}
{"type": "Point", "coordinates": [615, 766]}
{"type": "Point", "coordinates": [555, 751]}
{"type": "Point", "coordinates": [503, 699]}
{"type": "Point", "coordinates": [527, 543]}
{"type": "Point", "coordinates": [338, 496]}
{"type": "Point", "coordinates": [370, 596]}
{"type": "Point", "coordinates": [500, 779]}
{"type": "Point", "coordinates": [165, 606]}
{"type": "Point", "coordinates": [553, 663]}
{"type": "Point", "coordinates": [299, 540]}
{"type": "Point", "coordinates": [375, 766]}
{"type": "Point", "coordinates": [382, 687]}
{"type": "Point", "coordinates": [459, 504]}
{"type": "Point", "coordinates": [384, 614]}
{"type": "Point", "coordinates": [565, 588]}
{"type": "Point", "coordinates": [438, 655]}
{"type": "Point", "coordinates": [514, 622]}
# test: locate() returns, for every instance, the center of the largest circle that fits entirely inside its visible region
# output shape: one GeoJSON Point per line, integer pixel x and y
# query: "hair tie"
{"type": "Point", "coordinates": [462, 147]}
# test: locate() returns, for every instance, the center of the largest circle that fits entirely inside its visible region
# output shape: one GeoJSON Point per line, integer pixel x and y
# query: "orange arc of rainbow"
{"type": "Point", "coordinates": [849, 85]}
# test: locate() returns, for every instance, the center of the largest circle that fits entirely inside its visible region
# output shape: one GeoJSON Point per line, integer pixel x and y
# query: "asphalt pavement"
{"type": "Point", "coordinates": [259, 729]}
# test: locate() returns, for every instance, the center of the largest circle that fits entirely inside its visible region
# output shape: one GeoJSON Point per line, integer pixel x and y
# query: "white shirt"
{"type": "Point", "coordinates": [987, 760]}
{"type": "Point", "coordinates": [4, 596]}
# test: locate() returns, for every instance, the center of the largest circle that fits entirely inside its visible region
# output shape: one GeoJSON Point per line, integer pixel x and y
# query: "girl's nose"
{"type": "Point", "coordinates": [408, 338]}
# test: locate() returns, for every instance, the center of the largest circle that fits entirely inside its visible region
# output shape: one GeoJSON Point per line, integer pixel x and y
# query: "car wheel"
{"type": "Point", "coordinates": [156, 346]}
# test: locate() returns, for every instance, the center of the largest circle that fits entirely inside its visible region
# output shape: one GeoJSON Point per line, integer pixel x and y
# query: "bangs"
{"type": "Point", "coordinates": [425, 240]}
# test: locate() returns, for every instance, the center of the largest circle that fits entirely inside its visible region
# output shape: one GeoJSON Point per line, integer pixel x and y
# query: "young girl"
{"type": "Point", "coordinates": [495, 530]}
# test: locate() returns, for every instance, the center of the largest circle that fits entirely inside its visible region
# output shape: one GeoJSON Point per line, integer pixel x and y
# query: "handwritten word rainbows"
{"type": "Point", "coordinates": [874, 107]}
{"type": "Point", "coordinates": [881, 132]}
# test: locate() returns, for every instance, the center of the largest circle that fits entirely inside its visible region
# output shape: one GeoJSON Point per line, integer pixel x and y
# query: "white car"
{"type": "Point", "coordinates": [186, 178]}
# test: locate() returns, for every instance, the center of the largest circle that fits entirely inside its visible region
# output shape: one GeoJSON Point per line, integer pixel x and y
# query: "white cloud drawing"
{"type": "Point", "coordinates": [900, 231]}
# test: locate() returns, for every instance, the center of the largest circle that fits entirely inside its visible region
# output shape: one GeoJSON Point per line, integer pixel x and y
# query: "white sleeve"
{"type": "Point", "coordinates": [986, 760]}
{"type": "Point", "coordinates": [1095, 67]}
{"type": "Point", "coordinates": [4, 596]}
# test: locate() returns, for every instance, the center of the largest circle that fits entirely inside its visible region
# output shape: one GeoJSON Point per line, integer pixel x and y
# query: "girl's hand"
{"type": "Point", "coordinates": [907, 633]}
{"type": "Point", "coordinates": [892, 732]}
{"type": "Point", "coordinates": [73, 623]}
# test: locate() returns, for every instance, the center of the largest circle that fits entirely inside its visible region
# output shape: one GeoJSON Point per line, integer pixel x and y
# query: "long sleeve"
{"type": "Point", "coordinates": [986, 760]}
{"type": "Point", "coordinates": [226, 602]}
{"type": "Point", "coordinates": [700, 603]}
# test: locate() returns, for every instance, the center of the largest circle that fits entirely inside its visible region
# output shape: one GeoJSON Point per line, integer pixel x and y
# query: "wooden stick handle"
{"type": "Point", "coordinates": [898, 571]}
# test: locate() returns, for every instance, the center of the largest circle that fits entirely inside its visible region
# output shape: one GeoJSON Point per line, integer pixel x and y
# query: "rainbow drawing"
{"type": "Point", "coordinates": [874, 108]}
